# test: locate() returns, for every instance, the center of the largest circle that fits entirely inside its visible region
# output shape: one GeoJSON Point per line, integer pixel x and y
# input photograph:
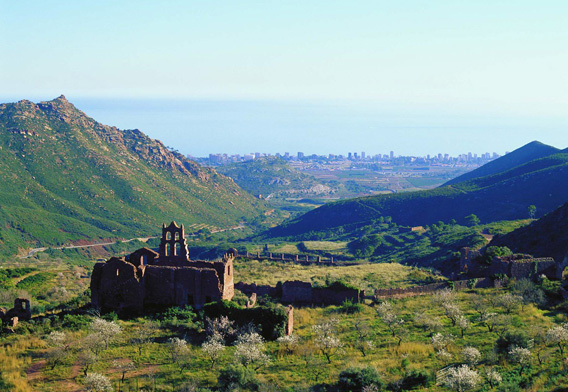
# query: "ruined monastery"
{"type": "Point", "coordinates": [146, 279]}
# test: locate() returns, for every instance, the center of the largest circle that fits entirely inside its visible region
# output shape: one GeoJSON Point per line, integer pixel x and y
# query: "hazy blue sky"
{"type": "Point", "coordinates": [496, 67]}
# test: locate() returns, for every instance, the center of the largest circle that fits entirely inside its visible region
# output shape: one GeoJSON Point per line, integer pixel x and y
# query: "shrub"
{"type": "Point", "coordinates": [271, 319]}
{"type": "Point", "coordinates": [511, 339]}
{"type": "Point", "coordinates": [355, 379]}
{"type": "Point", "coordinates": [76, 322]}
{"type": "Point", "coordinates": [349, 307]}
{"type": "Point", "coordinates": [236, 376]}
{"type": "Point", "coordinates": [414, 379]}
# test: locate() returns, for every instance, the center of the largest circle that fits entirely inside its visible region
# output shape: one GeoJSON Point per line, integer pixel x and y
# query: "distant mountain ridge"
{"type": "Point", "coordinates": [528, 152]}
{"type": "Point", "coordinates": [67, 177]}
{"type": "Point", "coordinates": [503, 195]}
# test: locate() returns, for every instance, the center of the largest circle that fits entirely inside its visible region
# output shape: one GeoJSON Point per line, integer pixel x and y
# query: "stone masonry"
{"type": "Point", "coordinates": [147, 279]}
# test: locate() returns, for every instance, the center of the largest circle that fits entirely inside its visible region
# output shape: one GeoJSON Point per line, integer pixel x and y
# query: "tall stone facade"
{"type": "Point", "coordinates": [146, 279]}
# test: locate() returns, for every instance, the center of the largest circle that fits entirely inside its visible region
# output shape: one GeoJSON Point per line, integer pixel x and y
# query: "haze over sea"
{"type": "Point", "coordinates": [200, 127]}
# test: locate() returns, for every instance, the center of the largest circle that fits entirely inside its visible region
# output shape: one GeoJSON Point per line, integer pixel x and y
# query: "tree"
{"type": "Point", "coordinates": [493, 377]}
{"type": "Point", "coordinates": [427, 322]}
{"type": "Point", "coordinates": [250, 350]}
{"type": "Point", "coordinates": [179, 352]}
{"type": "Point", "coordinates": [463, 323]}
{"type": "Point", "coordinates": [222, 327]}
{"type": "Point", "coordinates": [124, 366]}
{"type": "Point", "coordinates": [326, 339]}
{"type": "Point", "coordinates": [520, 355]}
{"type": "Point", "coordinates": [107, 331]}
{"type": "Point", "coordinates": [59, 348]}
{"type": "Point", "coordinates": [471, 355]}
{"type": "Point", "coordinates": [529, 292]}
{"type": "Point", "coordinates": [509, 302]}
{"type": "Point", "coordinates": [389, 316]}
{"type": "Point", "coordinates": [461, 378]}
{"type": "Point", "coordinates": [87, 359]}
{"type": "Point", "coordinates": [213, 348]}
{"type": "Point", "coordinates": [364, 341]}
{"type": "Point", "coordinates": [532, 211]}
{"type": "Point", "coordinates": [472, 220]}
{"type": "Point", "coordinates": [96, 382]}
{"type": "Point", "coordinates": [441, 345]}
{"type": "Point", "coordinates": [290, 342]}
{"type": "Point", "coordinates": [143, 335]}
{"type": "Point", "coordinates": [558, 335]}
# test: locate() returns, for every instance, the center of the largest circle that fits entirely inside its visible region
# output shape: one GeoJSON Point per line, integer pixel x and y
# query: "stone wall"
{"type": "Point", "coordinates": [517, 266]}
{"type": "Point", "coordinates": [303, 293]}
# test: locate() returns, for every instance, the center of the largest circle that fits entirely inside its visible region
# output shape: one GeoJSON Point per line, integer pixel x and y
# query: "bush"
{"type": "Point", "coordinates": [355, 379]}
{"type": "Point", "coordinates": [76, 322]}
{"type": "Point", "coordinates": [271, 319]}
{"type": "Point", "coordinates": [414, 379]}
{"type": "Point", "coordinates": [236, 376]}
{"type": "Point", "coordinates": [510, 339]}
{"type": "Point", "coordinates": [349, 307]}
{"type": "Point", "coordinates": [340, 285]}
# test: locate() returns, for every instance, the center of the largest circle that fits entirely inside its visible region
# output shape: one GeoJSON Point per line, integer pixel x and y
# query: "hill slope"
{"type": "Point", "coordinates": [527, 153]}
{"type": "Point", "coordinates": [267, 176]}
{"type": "Point", "coordinates": [546, 237]}
{"type": "Point", "coordinates": [67, 177]}
{"type": "Point", "coordinates": [503, 196]}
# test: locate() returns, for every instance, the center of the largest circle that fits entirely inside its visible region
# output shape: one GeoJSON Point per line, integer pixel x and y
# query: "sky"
{"type": "Point", "coordinates": [321, 76]}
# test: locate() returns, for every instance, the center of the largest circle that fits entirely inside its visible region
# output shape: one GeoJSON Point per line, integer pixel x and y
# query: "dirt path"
{"type": "Point", "coordinates": [33, 251]}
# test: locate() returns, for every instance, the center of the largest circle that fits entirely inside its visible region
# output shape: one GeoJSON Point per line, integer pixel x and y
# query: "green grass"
{"type": "Point", "coordinates": [303, 366]}
{"type": "Point", "coordinates": [365, 276]}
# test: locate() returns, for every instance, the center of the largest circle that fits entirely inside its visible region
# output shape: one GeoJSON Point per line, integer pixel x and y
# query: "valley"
{"type": "Point", "coordinates": [428, 274]}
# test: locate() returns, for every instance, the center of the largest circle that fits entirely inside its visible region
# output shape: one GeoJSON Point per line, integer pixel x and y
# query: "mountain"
{"type": "Point", "coordinates": [66, 177]}
{"type": "Point", "coordinates": [265, 176]}
{"type": "Point", "coordinates": [504, 195]}
{"type": "Point", "coordinates": [545, 237]}
{"type": "Point", "coordinates": [527, 153]}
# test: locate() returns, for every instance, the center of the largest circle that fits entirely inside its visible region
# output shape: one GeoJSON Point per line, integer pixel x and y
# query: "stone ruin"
{"type": "Point", "coordinates": [147, 279]}
{"type": "Point", "coordinates": [518, 266]}
{"type": "Point", "coordinates": [21, 311]}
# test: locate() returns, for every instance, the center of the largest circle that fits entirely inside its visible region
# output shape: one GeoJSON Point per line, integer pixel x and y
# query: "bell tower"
{"type": "Point", "coordinates": [173, 247]}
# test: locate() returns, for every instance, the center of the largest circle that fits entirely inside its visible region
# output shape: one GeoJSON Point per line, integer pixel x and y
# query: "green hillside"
{"type": "Point", "coordinates": [546, 237]}
{"type": "Point", "coordinates": [266, 176]}
{"type": "Point", "coordinates": [66, 177]}
{"type": "Point", "coordinates": [503, 196]}
{"type": "Point", "coordinates": [527, 153]}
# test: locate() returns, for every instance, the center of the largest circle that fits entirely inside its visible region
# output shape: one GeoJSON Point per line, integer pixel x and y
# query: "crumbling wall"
{"type": "Point", "coordinates": [297, 292]}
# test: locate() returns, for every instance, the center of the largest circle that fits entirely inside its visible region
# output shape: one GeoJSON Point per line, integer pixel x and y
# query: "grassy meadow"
{"type": "Point", "coordinates": [26, 357]}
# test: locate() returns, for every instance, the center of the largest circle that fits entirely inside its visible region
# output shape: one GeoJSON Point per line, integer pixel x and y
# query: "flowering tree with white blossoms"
{"type": "Point", "coordinates": [493, 377]}
{"type": "Point", "coordinates": [250, 350]}
{"type": "Point", "coordinates": [558, 335]}
{"type": "Point", "coordinates": [105, 331]}
{"type": "Point", "coordinates": [461, 378]}
{"type": "Point", "coordinates": [214, 347]}
{"type": "Point", "coordinates": [326, 338]}
{"type": "Point", "coordinates": [179, 352]}
{"type": "Point", "coordinates": [471, 355]}
{"type": "Point", "coordinates": [441, 345]}
{"type": "Point", "coordinates": [59, 348]}
{"type": "Point", "coordinates": [96, 382]}
{"type": "Point", "coordinates": [520, 355]}
{"type": "Point", "coordinates": [289, 342]}
{"type": "Point", "coordinates": [390, 317]}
